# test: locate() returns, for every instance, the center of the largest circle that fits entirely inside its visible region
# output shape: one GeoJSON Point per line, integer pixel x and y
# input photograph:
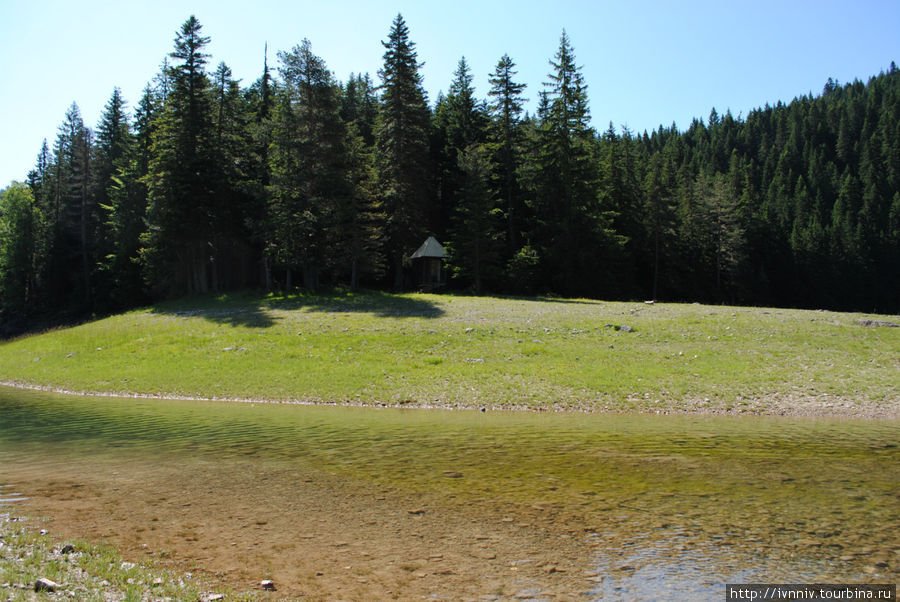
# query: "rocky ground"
{"type": "Point", "coordinates": [36, 564]}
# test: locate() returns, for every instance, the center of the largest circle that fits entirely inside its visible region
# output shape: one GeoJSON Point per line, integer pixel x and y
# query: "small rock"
{"type": "Point", "coordinates": [67, 549]}
{"type": "Point", "coordinates": [626, 329]}
{"type": "Point", "coordinates": [268, 585]}
{"type": "Point", "coordinates": [45, 585]}
{"type": "Point", "coordinates": [212, 597]}
{"type": "Point", "coordinates": [127, 566]}
{"type": "Point", "coordinates": [468, 330]}
{"type": "Point", "coordinates": [417, 511]}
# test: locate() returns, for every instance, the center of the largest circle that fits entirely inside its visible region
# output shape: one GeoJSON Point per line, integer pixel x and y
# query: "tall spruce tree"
{"type": "Point", "coordinates": [77, 211]}
{"type": "Point", "coordinates": [182, 200]}
{"type": "Point", "coordinates": [234, 263]}
{"type": "Point", "coordinates": [112, 172]}
{"type": "Point", "coordinates": [358, 233]}
{"type": "Point", "coordinates": [402, 149]}
{"type": "Point", "coordinates": [476, 232]}
{"type": "Point", "coordinates": [309, 166]}
{"type": "Point", "coordinates": [359, 228]}
{"type": "Point", "coordinates": [460, 121]}
{"type": "Point", "coordinates": [505, 111]}
{"type": "Point", "coordinates": [575, 231]}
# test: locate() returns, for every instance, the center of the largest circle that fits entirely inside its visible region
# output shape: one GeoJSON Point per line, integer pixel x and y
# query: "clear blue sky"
{"type": "Point", "coordinates": [646, 63]}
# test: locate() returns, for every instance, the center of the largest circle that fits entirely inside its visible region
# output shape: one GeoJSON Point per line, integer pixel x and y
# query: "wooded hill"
{"type": "Point", "coordinates": [302, 180]}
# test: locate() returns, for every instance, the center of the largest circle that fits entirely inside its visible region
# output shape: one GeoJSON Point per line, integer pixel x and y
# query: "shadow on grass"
{"type": "Point", "coordinates": [377, 303]}
{"type": "Point", "coordinates": [553, 299]}
{"type": "Point", "coordinates": [250, 310]}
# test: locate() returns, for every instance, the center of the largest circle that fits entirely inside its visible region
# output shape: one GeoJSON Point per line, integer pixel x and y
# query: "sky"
{"type": "Point", "coordinates": [646, 63]}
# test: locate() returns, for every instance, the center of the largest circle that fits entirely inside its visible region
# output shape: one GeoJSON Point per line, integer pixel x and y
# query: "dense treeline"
{"type": "Point", "coordinates": [301, 180]}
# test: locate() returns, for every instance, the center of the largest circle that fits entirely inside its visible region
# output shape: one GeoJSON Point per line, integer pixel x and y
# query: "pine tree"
{"type": "Point", "coordinates": [358, 231]}
{"type": "Point", "coordinates": [506, 111]}
{"type": "Point", "coordinates": [182, 173]}
{"type": "Point", "coordinates": [460, 121]}
{"type": "Point", "coordinates": [309, 166]}
{"type": "Point", "coordinates": [575, 231]}
{"type": "Point", "coordinates": [659, 216]}
{"type": "Point", "coordinates": [620, 193]}
{"type": "Point", "coordinates": [359, 228]}
{"type": "Point", "coordinates": [111, 172]}
{"type": "Point", "coordinates": [476, 227]}
{"type": "Point", "coordinates": [234, 209]}
{"type": "Point", "coordinates": [402, 149]}
{"type": "Point", "coordinates": [359, 106]}
{"type": "Point", "coordinates": [76, 212]}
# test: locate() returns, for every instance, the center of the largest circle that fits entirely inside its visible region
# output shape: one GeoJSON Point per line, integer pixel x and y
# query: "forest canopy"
{"type": "Point", "coordinates": [298, 179]}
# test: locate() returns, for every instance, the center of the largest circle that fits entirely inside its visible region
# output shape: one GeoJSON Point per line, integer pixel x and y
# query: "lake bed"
{"type": "Point", "coordinates": [386, 502]}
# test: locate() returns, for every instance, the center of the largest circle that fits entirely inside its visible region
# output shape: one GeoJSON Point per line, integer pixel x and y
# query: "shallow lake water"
{"type": "Point", "coordinates": [456, 503]}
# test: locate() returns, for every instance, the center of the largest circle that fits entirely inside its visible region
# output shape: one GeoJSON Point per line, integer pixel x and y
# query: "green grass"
{"type": "Point", "coordinates": [443, 350]}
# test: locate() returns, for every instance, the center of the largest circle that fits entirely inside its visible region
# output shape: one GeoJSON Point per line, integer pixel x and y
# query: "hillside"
{"type": "Point", "coordinates": [476, 352]}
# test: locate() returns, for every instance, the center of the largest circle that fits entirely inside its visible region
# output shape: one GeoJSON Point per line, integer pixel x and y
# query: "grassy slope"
{"type": "Point", "coordinates": [471, 351]}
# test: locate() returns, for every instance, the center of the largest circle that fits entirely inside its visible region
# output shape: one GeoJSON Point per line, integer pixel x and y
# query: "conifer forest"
{"type": "Point", "coordinates": [205, 185]}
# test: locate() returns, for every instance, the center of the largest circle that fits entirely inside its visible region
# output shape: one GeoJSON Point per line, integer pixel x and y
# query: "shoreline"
{"type": "Point", "coordinates": [773, 405]}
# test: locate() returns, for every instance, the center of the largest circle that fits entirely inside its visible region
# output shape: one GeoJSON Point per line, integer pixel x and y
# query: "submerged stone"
{"type": "Point", "coordinates": [267, 584]}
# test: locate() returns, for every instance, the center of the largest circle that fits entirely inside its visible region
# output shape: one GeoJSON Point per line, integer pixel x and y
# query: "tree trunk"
{"type": "Point", "coordinates": [354, 275]}
{"type": "Point", "coordinates": [655, 263]}
{"type": "Point", "coordinates": [310, 277]}
{"type": "Point", "coordinates": [398, 273]}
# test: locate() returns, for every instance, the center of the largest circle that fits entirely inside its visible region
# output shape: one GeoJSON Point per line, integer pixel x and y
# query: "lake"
{"type": "Point", "coordinates": [363, 502]}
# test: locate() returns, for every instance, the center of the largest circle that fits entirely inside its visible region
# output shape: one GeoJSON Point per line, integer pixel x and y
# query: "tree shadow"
{"type": "Point", "coordinates": [530, 298]}
{"type": "Point", "coordinates": [377, 303]}
{"type": "Point", "coordinates": [248, 316]}
{"type": "Point", "coordinates": [252, 310]}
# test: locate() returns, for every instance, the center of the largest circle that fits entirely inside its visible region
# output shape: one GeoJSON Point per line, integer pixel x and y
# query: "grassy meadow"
{"type": "Point", "coordinates": [459, 351]}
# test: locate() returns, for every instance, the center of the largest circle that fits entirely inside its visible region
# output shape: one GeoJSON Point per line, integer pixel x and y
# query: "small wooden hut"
{"type": "Point", "coordinates": [428, 265]}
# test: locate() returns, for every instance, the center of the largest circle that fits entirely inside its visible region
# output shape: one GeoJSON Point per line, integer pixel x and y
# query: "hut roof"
{"type": "Point", "coordinates": [430, 248]}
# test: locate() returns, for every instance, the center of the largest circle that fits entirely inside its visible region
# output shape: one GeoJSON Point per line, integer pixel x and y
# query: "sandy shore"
{"type": "Point", "coordinates": [775, 404]}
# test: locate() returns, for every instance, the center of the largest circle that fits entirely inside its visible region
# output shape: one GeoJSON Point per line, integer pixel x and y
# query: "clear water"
{"type": "Point", "coordinates": [672, 506]}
